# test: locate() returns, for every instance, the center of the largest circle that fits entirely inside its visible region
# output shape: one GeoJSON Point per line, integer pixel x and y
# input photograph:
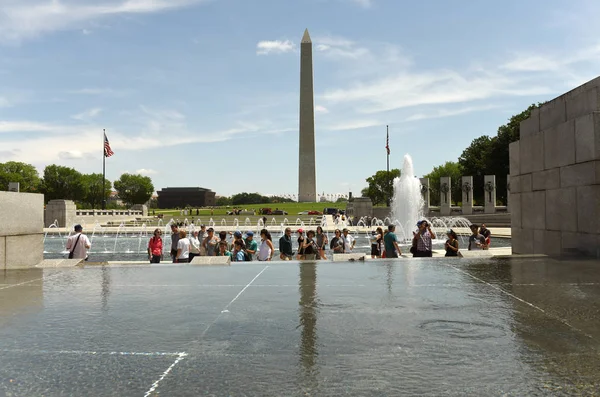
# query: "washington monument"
{"type": "Point", "coordinates": [307, 179]}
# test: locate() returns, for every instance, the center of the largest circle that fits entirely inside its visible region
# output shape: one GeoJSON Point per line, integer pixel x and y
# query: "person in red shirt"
{"type": "Point", "coordinates": [155, 247]}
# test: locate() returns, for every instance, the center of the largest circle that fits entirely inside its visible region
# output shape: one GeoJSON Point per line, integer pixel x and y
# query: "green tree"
{"type": "Point", "coordinates": [451, 169]}
{"type": "Point", "coordinates": [25, 174]}
{"type": "Point", "coordinates": [92, 186]}
{"type": "Point", "coordinates": [248, 198]}
{"type": "Point", "coordinates": [62, 183]}
{"type": "Point", "coordinates": [223, 201]}
{"type": "Point", "coordinates": [489, 156]}
{"type": "Point", "coordinates": [381, 187]}
{"type": "Point", "coordinates": [134, 189]}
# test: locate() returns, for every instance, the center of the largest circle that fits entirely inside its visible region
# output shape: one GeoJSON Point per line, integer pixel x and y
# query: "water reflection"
{"type": "Point", "coordinates": [22, 292]}
{"type": "Point", "coordinates": [105, 288]}
{"type": "Point", "coordinates": [308, 311]}
{"type": "Point", "coordinates": [389, 280]}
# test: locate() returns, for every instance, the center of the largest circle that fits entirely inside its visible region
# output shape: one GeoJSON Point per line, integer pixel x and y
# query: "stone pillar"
{"type": "Point", "coordinates": [307, 178]}
{"type": "Point", "coordinates": [141, 207]}
{"type": "Point", "coordinates": [467, 195]}
{"type": "Point", "coordinates": [361, 206]}
{"type": "Point", "coordinates": [21, 230]}
{"type": "Point", "coordinates": [507, 193]}
{"type": "Point", "coordinates": [489, 187]}
{"type": "Point", "coordinates": [14, 187]}
{"type": "Point", "coordinates": [445, 195]}
{"type": "Point", "coordinates": [61, 210]}
{"type": "Point", "coordinates": [426, 195]}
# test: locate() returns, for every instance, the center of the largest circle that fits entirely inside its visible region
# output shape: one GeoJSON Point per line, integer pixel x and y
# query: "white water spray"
{"type": "Point", "coordinates": [407, 204]}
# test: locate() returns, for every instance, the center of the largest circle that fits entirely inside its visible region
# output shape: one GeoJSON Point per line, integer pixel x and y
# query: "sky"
{"type": "Point", "coordinates": [206, 92]}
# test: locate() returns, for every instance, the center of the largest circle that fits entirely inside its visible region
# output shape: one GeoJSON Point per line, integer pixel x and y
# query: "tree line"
{"type": "Point", "coordinates": [59, 182]}
{"type": "Point", "coordinates": [485, 156]}
{"type": "Point", "coordinates": [251, 198]}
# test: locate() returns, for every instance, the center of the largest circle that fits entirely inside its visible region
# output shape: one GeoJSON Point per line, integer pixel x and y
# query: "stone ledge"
{"type": "Point", "coordinates": [349, 257]}
{"type": "Point", "coordinates": [477, 254]}
{"type": "Point", "coordinates": [211, 261]}
{"type": "Point", "coordinates": [60, 263]}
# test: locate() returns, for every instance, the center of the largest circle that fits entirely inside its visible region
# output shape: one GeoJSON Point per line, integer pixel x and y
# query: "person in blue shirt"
{"type": "Point", "coordinates": [238, 254]}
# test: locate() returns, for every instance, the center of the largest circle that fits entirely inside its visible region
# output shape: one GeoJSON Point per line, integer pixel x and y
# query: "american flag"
{"type": "Point", "coordinates": [107, 150]}
{"type": "Point", "coordinates": [387, 143]}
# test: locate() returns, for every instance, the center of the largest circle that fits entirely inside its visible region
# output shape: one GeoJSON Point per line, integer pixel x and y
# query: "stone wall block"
{"type": "Point", "coordinates": [553, 209]}
{"type": "Point", "coordinates": [583, 88]}
{"type": "Point", "coordinates": [2, 253]}
{"type": "Point", "coordinates": [539, 242]}
{"type": "Point", "coordinates": [531, 151]}
{"type": "Point", "coordinates": [553, 113]}
{"type": "Point", "coordinates": [514, 158]}
{"type": "Point", "coordinates": [582, 174]}
{"type": "Point", "coordinates": [544, 180]}
{"type": "Point", "coordinates": [24, 251]}
{"type": "Point", "coordinates": [531, 125]}
{"type": "Point", "coordinates": [588, 209]}
{"type": "Point", "coordinates": [582, 103]}
{"type": "Point", "coordinates": [526, 183]}
{"type": "Point", "coordinates": [516, 240]}
{"type": "Point", "coordinates": [522, 240]}
{"type": "Point", "coordinates": [580, 243]}
{"type": "Point", "coordinates": [561, 209]}
{"type": "Point", "coordinates": [559, 145]}
{"type": "Point", "coordinates": [515, 184]}
{"type": "Point", "coordinates": [515, 209]}
{"type": "Point", "coordinates": [533, 210]}
{"type": "Point", "coordinates": [552, 243]}
{"type": "Point", "coordinates": [21, 213]}
{"type": "Point", "coordinates": [587, 137]}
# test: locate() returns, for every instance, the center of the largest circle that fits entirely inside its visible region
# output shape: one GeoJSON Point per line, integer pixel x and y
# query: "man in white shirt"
{"type": "Point", "coordinates": [349, 241]}
{"type": "Point", "coordinates": [183, 248]}
{"type": "Point", "coordinates": [79, 244]}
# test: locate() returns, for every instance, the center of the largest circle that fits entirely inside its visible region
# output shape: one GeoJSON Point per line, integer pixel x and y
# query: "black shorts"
{"type": "Point", "coordinates": [375, 250]}
{"type": "Point", "coordinates": [423, 254]}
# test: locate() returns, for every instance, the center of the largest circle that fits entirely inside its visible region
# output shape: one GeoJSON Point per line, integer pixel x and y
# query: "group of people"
{"type": "Point", "coordinates": [384, 244]}
{"type": "Point", "coordinates": [311, 245]}
{"type": "Point", "coordinates": [204, 242]}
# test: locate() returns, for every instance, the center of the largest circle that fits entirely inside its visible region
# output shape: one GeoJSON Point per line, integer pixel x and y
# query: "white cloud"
{"type": "Point", "coordinates": [144, 171]}
{"type": "Point", "coordinates": [4, 103]}
{"type": "Point", "coordinates": [337, 47]}
{"type": "Point", "coordinates": [321, 109]}
{"type": "Point", "coordinates": [353, 125]}
{"type": "Point", "coordinates": [274, 47]}
{"type": "Point", "coordinates": [87, 114]}
{"type": "Point", "coordinates": [363, 3]}
{"type": "Point", "coordinates": [405, 89]}
{"type": "Point", "coordinates": [26, 19]}
{"type": "Point", "coordinates": [98, 91]}
{"type": "Point", "coordinates": [70, 155]}
{"type": "Point", "coordinates": [531, 63]}
{"type": "Point", "coordinates": [440, 113]}
{"type": "Point", "coordinates": [86, 32]}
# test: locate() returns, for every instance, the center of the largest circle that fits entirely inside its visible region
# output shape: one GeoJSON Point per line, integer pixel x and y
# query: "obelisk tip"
{"type": "Point", "coordinates": [306, 37]}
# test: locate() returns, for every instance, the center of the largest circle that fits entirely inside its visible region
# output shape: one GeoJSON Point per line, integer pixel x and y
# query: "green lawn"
{"type": "Point", "coordinates": [290, 208]}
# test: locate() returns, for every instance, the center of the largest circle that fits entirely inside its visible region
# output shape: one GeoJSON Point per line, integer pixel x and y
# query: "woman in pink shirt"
{"type": "Point", "coordinates": [155, 247]}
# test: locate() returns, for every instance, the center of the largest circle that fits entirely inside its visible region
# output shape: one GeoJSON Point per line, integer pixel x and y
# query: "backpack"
{"type": "Point", "coordinates": [247, 257]}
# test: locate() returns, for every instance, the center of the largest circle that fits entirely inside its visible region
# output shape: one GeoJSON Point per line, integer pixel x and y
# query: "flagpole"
{"type": "Point", "coordinates": [103, 169]}
{"type": "Point", "coordinates": [387, 146]}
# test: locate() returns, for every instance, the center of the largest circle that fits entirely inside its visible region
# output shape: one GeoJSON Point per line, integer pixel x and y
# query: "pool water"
{"type": "Point", "coordinates": [440, 327]}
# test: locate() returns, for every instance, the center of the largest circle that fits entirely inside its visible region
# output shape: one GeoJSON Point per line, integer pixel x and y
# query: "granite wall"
{"type": "Point", "coordinates": [555, 177]}
{"type": "Point", "coordinates": [21, 229]}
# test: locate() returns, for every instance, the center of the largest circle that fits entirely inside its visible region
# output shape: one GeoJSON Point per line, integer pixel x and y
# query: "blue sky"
{"type": "Point", "coordinates": [205, 92]}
